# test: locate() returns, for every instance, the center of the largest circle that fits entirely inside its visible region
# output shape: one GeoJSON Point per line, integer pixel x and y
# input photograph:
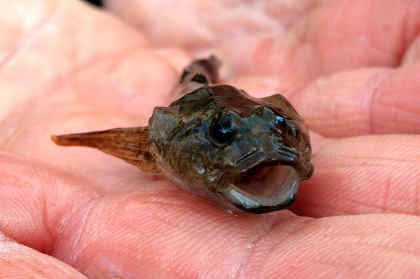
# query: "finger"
{"type": "Point", "coordinates": [29, 189]}
{"type": "Point", "coordinates": [362, 175]}
{"type": "Point", "coordinates": [165, 233]}
{"type": "Point", "coordinates": [349, 246]}
{"type": "Point", "coordinates": [19, 261]}
{"type": "Point", "coordinates": [361, 102]}
{"type": "Point", "coordinates": [307, 38]}
{"type": "Point", "coordinates": [412, 55]}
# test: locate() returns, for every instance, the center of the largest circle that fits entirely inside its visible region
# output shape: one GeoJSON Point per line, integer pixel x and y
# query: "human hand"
{"type": "Point", "coordinates": [351, 71]}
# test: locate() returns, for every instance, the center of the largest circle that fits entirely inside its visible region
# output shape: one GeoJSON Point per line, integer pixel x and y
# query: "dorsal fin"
{"type": "Point", "coordinates": [281, 105]}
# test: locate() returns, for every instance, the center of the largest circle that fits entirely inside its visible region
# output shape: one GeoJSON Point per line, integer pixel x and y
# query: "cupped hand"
{"type": "Point", "coordinates": [350, 68]}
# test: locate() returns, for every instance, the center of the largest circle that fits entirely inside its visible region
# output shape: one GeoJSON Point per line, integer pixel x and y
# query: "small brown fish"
{"type": "Point", "coordinates": [216, 141]}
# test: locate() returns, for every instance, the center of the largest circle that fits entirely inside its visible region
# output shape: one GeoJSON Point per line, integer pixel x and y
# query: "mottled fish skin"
{"type": "Point", "coordinates": [218, 142]}
{"type": "Point", "coordinates": [213, 136]}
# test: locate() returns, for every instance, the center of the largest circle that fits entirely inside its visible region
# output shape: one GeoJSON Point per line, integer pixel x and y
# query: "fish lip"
{"type": "Point", "coordinates": [265, 209]}
{"type": "Point", "coordinates": [285, 181]}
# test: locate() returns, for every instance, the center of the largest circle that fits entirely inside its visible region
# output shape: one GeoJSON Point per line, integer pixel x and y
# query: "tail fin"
{"type": "Point", "coordinates": [128, 144]}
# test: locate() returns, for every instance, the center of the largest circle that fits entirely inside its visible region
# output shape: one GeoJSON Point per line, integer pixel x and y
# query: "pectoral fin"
{"type": "Point", "coordinates": [128, 144]}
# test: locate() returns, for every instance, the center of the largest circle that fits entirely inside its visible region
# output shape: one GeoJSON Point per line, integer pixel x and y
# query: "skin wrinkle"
{"type": "Point", "coordinates": [91, 63]}
{"type": "Point", "coordinates": [253, 243]}
{"type": "Point", "coordinates": [57, 85]}
{"type": "Point", "coordinates": [412, 54]}
{"type": "Point", "coordinates": [31, 34]}
{"type": "Point", "coordinates": [78, 259]}
{"type": "Point", "coordinates": [377, 159]}
{"type": "Point", "coordinates": [45, 222]}
{"type": "Point", "coordinates": [24, 212]}
{"type": "Point", "coordinates": [332, 272]}
{"type": "Point", "coordinates": [306, 41]}
{"type": "Point", "coordinates": [252, 255]}
{"type": "Point", "coordinates": [30, 268]}
{"type": "Point", "coordinates": [393, 113]}
{"type": "Point", "coordinates": [67, 218]}
{"type": "Point", "coordinates": [405, 40]}
{"type": "Point", "coordinates": [56, 228]}
{"type": "Point", "coordinates": [349, 271]}
{"type": "Point", "coordinates": [307, 38]}
{"type": "Point", "coordinates": [78, 235]}
{"type": "Point", "coordinates": [377, 208]}
{"type": "Point", "coordinates": [122, 56]}
{"type": "Point", "coordinates": [162, 201]}
{"type": "Point", "coordinates": [361, 240]}
{"type": "Point", "coordinates": [386, 196]}
{"type": "Point", "coordinates": [59, 81]}
{"type": "Point", "coordinates": [343, 6]}
{"type": "Point", "coordinates": [61, 229]}
{"type": "Point", "coordinates": [165, 221]}
{"type": "Point", "coordinates": [373, 206]}
{"type": "Point", "coordinates": [405, 33]}
{"type": "Point", "coordinates": [304, 44]}
{"type": "Point", "coordinates": [395, 107]}
{"type": "Point", "coordinates": [354, 203]}
{"type": "Point", "coordinates": [393, 249]}
{"type": "Point", "coordinates": [394, 181]}
{"type": "Point", "coordinates": [333, 209]}
{"type": "Point", "coordinates": [300, 28]}
{"type": "Point", "coordinates": [417, 203]}
{"type": "Point", "coordinates": [15, 265]}
{"type": "Point", "coordinates": [319, 142]}
{"type": "Point", "coordinates": [17, 118]}
{"type": "Point", "coordinates": [297, 95]}
{"type": "Point", "coordinates": [394, 57]}
{"type": "Point", "coordinates": [87, 258]}
{"type": "Point", "coordinates": [21, 261]}
{"type": "Point", "coordinates": [394, 60]}
{"type": "Point", "coordinates": [334, 113]}
{"type": "Point", "coordinates": [370, 100]}
{"type": "Point", "coordinates": [308, 222]}
{"type": "Point", "coordinates": [50, 228]}
{"type": "Point", "coordinates": [384, 206]}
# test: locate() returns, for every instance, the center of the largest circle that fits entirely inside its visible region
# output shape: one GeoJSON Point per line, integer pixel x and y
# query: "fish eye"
{"type": "Point", "coordinates": [221, 131]}
{"type": "Point", "coordinates": [199, 78]}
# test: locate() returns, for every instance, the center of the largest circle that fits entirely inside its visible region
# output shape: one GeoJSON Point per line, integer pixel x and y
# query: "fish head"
{"type": "Point", "coordinates": [243, 152]}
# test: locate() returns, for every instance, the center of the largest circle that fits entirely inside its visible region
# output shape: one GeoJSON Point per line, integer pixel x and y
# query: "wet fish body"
{"type": "Point", "coordinates": [218, 142]}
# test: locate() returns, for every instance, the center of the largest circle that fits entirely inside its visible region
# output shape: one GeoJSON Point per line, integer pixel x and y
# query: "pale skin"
{"type": "Point", "coordinates": [351, 68]}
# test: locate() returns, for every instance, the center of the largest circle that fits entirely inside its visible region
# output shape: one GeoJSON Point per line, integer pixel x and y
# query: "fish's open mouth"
{"type": "Point", "coordinates": [264, 189]}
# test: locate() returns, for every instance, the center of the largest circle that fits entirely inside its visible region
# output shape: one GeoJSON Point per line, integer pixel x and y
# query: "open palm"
{"type": "Point", "coordinates": [351, 70]}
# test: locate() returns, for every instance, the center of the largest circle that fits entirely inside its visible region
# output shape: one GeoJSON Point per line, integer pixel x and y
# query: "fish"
{"type": "Point", "coordinates": [243, 153]}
